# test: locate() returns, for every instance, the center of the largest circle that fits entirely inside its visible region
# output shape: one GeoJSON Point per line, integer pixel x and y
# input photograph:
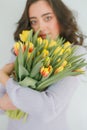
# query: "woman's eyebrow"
{"type": "Point", "coordinates": [46, 14]}
{"type": "Point", "coordinates": [33, 17]}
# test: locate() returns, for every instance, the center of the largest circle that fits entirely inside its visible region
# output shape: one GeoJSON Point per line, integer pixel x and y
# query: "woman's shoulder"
{"type": "Point", "coordinates": [81, 50]}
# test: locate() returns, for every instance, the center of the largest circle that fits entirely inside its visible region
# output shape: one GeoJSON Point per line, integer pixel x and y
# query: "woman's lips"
{"type": "Point", "coordinates": [43, 36]}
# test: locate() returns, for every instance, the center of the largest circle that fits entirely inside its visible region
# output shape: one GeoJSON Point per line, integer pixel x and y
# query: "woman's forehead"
{"type": "Point", "coordinates": [39, 8]}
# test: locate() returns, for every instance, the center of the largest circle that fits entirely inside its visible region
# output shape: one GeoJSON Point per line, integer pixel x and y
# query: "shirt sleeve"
{"type": "Point", "coordinates": [2, 88]}
{"type": "Point", "coordinates": [83, 50]}
{"type": "Point", "coordinates": [47, 104]}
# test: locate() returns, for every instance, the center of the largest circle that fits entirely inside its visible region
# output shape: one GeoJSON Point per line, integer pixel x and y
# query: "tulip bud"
{"type": "Point", "coordinates": [47, 61]}
{"type": "Point", "coordinates": [59, 69]}
{"type": "Point", "coordinates": [39, 40]}
{"type": "Point", "coordinates": [45, 71]}
{"type": "Point", "coordinates": [24, 35]}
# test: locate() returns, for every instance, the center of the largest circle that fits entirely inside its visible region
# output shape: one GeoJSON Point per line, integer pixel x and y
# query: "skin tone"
{"type": "Point", "coordinates": [5, 101]}
{"type": "Point", "coordinates": [41, 17]}
{"type": "Point", "coordinates": [5, 73]}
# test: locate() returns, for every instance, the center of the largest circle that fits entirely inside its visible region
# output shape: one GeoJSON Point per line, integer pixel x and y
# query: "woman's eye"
{"type": "Point", "coordinates": [33, 22]}
{"type": "Point", "coordinates": [48, 18]}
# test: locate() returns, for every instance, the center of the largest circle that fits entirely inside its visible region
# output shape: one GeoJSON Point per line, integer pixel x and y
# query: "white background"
{"type": "Point", "coordinates": [10, 12]}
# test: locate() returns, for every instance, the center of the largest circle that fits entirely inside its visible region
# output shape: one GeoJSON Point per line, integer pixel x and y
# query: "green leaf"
{"type": "Point", "coordinates": [30, 61]}
{"type": "Point", "coordinates": [28, 82]}
{"type": "Point", "coordinates": [20, 56]}
{"type": "Point", "coordinates": [76, 73]}
{"type": "Point", "coordinates": [74, 57]}
{"type": "Point", "coordinates": [78, 66]}
{"type": "Point", "coordinates": [36, 69]}
{"type": "Point", "coordinates": [53, 79]}
{"type": "Point", "coordinates": [22, 72]}
{"type": "Point", "coordinates": [37, 59]}
{"type": "Point", "coordinates": [34, 40]}
{"type": "Point", "coordinates": [40, 48]}
{"type": "Point", "coordinates": [29, 39]}
{"type": "Point", "coordinates": [61, 61]}
{"type": "Point", "coordinates": [51, 50]}
{"type": "Point", "coordinates": [60, 40]}
{"type": "Point", "coordinates": [25, 55]}
{"type": "Point", "coordinates": [16, 69]}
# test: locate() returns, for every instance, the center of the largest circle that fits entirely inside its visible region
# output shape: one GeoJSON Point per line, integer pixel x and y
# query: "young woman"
{"type": "Point", "coordinates": [48, 109]}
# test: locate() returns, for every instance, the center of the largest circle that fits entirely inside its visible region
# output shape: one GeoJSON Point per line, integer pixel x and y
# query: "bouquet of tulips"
{"type": "Point", "coordinates": [42, 62]}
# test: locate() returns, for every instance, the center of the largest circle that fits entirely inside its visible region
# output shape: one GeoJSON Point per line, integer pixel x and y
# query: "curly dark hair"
{"type": "Point", "coordinates": [70, 30]}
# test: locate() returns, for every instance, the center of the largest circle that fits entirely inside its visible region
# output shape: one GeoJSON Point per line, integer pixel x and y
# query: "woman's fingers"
{"type": "Point", "coordinates": [8, 68]}
{"type": "Point", "coordinates": [6, 103]}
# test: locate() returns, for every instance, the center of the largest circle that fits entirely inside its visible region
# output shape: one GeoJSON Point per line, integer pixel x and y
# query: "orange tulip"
{"type": "Point", "coordinates": [45, 71]}
{"type": "Point", "coordinates": [17, 46]}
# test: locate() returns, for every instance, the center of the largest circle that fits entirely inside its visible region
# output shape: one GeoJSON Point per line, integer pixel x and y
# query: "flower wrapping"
{"type": "Point", "coordinates": [41, 62]}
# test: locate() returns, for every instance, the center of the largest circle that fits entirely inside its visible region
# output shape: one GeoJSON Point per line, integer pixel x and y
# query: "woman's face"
{"type": "Point", "coordinates": [42, 17]}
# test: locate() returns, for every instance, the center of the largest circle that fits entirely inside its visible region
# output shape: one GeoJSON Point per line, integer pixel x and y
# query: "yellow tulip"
{"type": "Point", "coordinates": [16, 47]}
{"type": "Point", "coordinates": [59, 69]}
{"type": "Point", "coordinates": [59, 60]}
{"type": "Point", "coordinates": [67, 44]}
{"type": "Point", "coordinates": [45, 53]}
{"type": "Point", "coordinates": [31, 46]}
{"type": "Point", "coordinates": [47, 61]}
{"type": "Point", "coordinates": [45, 41]}
{"type": "Point", "coordinates": [24, 35]}
{"type": "Point", "coordinates": [29, 53]}
{"type": "Point", "coordinates": [64, 63]}
{"type": "Point", "coordinates": [59, 49]}
{"type": "Point", "coordinates": [61, 52]}
{"type": "Point", "coordinates": [45, 71]}
{"type": "Point", "coordinates": [68, 50]}
{"type": "Point", "coordinates": [78, 70]}
{"type": "Point", "coordinates": [39, 40]}
{"type": "Point", "coordinates": [52, 43]}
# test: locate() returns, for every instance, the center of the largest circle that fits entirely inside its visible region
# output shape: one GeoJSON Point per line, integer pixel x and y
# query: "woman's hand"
{"type": "Point", "coordinates": [5, 72]}
{"type": "Point", "coordinates": [6, 103]}
{"type": "Point", "coordinates": [8, 68]}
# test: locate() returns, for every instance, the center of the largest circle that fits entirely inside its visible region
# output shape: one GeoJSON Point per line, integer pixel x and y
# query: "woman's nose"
{"type": "Point", "coordinates": [42, 26]}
